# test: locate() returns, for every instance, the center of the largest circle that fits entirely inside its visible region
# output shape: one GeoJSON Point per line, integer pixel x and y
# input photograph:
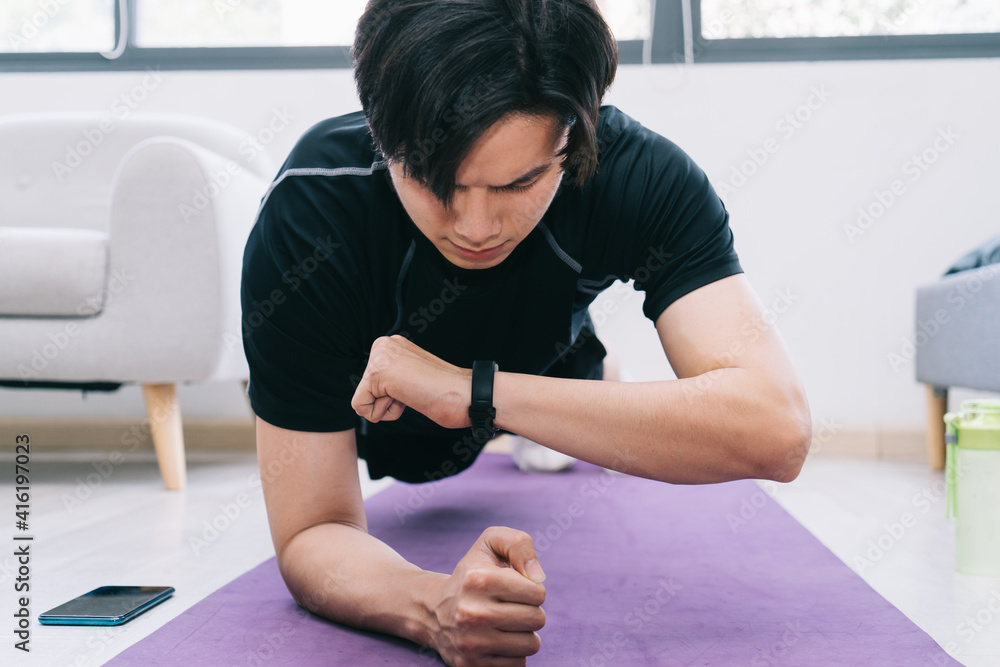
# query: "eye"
{"type": "Point", "coordinates": [514, 187]}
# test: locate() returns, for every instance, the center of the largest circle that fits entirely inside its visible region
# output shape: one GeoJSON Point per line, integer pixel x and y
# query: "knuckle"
{"type": "Point", "coordinates": [469, 616]}
{"type": "Point", "coordinates": [467, 644]}
{"type": "Point", "coordinates": [493, 531]}
{"type": "Point", "coordinates": [477, 580]}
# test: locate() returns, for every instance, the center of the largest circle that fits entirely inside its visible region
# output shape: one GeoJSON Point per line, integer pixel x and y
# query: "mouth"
{"type": "Point", "coordinates": [486, 253]}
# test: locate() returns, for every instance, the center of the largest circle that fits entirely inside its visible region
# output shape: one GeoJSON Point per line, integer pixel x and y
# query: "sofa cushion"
{"type": "Point", "coordinates": [984, 255]}
{"type": "Point", "coordinates": [52, 272]}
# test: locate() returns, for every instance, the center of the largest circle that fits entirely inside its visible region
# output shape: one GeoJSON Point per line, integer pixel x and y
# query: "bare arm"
{"type": "Point", "coordinates": [329, 562]}
{"type": "Point", "coordinates": [334, 568]}
{"type": "Point", "coordinates": [737, 409]}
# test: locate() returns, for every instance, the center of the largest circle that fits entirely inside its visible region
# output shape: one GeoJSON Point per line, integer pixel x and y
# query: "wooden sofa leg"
{"type": "Point", "coordinates": [937, 405]}
{"type": "Point", "coordinates": [168, 438]}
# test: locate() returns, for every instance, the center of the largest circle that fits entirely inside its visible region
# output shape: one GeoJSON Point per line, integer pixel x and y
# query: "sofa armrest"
{"type": "Point", "coordinates": [957, 334]}
{"type": "Point", "coordinates": [180, 217]}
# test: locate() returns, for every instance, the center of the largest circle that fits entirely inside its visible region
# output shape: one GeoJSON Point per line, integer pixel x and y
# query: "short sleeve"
{"type": "Point", "coordinates": [665, 226]}
{"type": "Point", "coordinates": [299, 315]}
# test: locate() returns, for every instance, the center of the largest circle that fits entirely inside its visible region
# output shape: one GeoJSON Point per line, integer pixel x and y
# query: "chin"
{"type": "Point", "coordinates": [465, 263]}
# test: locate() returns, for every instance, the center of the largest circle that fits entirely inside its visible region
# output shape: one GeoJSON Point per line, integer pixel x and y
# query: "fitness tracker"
{"type": "Point", "coordinates": [481, 410]}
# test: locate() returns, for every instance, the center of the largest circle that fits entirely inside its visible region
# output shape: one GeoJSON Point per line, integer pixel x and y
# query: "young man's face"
{"type": "Point", "coordinates": [504, 187]}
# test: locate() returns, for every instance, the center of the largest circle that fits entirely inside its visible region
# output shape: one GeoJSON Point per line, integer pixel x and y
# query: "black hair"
{"type": "Point", "coordinates": [434, 75]}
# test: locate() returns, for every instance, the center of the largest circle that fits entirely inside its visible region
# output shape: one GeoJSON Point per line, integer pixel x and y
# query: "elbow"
{"type": "Point", "coordinates": [787, 449]}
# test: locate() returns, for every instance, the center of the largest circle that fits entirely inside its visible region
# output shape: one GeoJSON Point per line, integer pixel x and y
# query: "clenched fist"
{"type": "Point", "coordinates": [400, 374]}
{"type": "Point", "coordinates": [489, 610]}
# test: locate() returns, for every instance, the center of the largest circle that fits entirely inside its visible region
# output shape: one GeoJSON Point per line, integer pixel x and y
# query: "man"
{"type": "Point", "coordinates": [467, 219]}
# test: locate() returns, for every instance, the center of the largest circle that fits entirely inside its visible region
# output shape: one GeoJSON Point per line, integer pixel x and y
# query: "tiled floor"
{"type": "Point", "coordinates": [112, 523]}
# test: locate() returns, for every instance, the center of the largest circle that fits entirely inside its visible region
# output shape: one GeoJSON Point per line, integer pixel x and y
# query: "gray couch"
{"type": "Point", "coordinates": [957, 336]}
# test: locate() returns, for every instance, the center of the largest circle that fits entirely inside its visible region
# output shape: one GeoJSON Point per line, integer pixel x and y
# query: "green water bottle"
{"type": "Point", "coordinates": [972, 473]}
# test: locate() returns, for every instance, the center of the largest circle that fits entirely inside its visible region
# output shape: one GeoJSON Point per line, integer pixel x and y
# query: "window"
{"type": "Point", "coordinates": [290, 34]}
{"type": "Point", "coordinates": [630, 20]}
{"type": "Point", "coordinates": [60, 26]}
{"type": "Point", "coordinates": [230, 23]}
{"type": "Point", "coordinates": [839, 18]}
{"type": "Point", "coordinates": [227, 23]}
{"type": "Point", "coordinates": [740, 30]}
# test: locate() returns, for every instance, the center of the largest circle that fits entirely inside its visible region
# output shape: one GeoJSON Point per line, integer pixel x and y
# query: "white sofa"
{"type": "Point", "coordinates": [121, 243]}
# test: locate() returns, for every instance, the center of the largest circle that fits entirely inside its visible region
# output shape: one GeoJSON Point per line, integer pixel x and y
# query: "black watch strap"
{"type": "Point", "coordinates": [481, 410]}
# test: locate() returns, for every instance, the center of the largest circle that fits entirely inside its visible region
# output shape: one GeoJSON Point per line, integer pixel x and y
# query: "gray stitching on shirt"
{"type": "Point", "coordinates": [317, 171]}
{"type": "Point", "coordinates": [572, 263]}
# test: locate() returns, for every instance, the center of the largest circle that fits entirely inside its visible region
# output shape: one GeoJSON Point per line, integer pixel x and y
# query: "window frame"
{"type": "Point", "coordinates": [676, 38]}
{"type": "Point", "coordinates": [866, 47]}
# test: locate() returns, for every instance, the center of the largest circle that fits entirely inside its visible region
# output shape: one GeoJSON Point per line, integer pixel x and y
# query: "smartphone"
{"type": "Point", "coordinates": [107, 605]}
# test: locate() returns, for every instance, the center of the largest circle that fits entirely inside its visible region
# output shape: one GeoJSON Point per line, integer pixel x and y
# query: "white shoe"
{"type": "Point", "coordinates": [529, 456]}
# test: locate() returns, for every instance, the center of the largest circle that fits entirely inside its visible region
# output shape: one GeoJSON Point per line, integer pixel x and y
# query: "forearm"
{"type": "Point", "coordinates": [720, 426]}
{"type": "Point", "coordinates": [344, 574]}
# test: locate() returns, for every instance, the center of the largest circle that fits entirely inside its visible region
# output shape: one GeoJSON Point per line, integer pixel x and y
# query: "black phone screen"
{"type": "Point", "coordinates": [110, 601]}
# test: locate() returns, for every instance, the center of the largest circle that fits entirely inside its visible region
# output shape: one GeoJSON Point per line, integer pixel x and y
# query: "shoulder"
{"type": "Point", "coordinates": [622, 140]}
{"type": "Point", "coordinates": [334, 158]}
{"type": "Point", "coordinates": [326, 182]}
{"type": "Point", "coordinates": [640, 173]}
{"type": "Point", "coordinates": [321, 200]}
{"type": "Point", "coordinates": [343, 142]}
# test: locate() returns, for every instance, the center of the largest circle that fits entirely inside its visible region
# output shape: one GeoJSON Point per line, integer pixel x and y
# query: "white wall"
{"type": "Point", "coordinates": [851, 302]}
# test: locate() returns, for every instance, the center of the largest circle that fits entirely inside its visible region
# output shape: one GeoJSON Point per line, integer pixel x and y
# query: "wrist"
{"type": "Point", "coordinates": [428, 588]}
{"type": "Point", "coordinates": [481, 411]}
{"type": "Point", "coordinates": [503, 393]}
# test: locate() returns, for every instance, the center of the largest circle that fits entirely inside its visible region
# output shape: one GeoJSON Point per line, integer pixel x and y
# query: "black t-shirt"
{"type": "Point", "coordinates": [333, 262]}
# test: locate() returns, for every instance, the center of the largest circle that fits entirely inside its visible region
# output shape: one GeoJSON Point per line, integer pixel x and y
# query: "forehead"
{"type": "Point", "coordinates": [510, 149]}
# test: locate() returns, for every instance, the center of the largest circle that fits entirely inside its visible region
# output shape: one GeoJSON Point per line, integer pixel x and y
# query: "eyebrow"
{"type": "Point", "coordinates": [530, 176]}
{"type": "Point", "coordinates": [520, 180]}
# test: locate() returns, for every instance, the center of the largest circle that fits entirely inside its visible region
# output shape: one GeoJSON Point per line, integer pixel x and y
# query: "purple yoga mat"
{"type": "Point", "coordinates": [639, 573]}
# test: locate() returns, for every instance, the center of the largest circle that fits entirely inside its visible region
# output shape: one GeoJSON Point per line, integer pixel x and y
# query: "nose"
{"type": "Point", "coordinates": [476, 222]}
